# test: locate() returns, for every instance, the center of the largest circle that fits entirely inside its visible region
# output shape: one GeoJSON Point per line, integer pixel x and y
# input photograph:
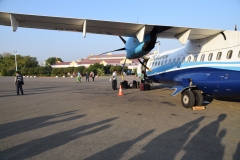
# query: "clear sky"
{"type": "Point", "coordinates": [212, 14]}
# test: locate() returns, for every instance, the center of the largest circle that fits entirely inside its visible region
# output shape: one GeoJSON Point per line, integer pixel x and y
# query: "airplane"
{"type": "Point", "coordinates": [209, 62]}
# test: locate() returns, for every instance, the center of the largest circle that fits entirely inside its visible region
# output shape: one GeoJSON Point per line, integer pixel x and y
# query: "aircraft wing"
{"type": "Point", "coordinates": [101, 27]}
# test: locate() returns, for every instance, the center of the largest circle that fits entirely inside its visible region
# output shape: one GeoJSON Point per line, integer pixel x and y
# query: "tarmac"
{"type": "Point", "coordinates": [58, 118]}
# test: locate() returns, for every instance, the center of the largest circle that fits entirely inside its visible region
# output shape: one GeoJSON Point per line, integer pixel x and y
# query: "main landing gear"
{"type": "Point", "coordinates": [191, 98]}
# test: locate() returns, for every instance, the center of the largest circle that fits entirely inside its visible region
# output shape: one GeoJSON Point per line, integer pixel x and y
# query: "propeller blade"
{"type": "Point", "coordinates": [123, 68]}
{"type": "Point", "coordinates": [122, 39]}
{"type": "Point", "coordinates": [121, 49]}
{"type": "Point", "coordinates": [144, 65]}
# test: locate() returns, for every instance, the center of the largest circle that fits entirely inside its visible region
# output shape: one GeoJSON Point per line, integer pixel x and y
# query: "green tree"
{"type": "Point", "coordinates": [52, 60]}
{"type": "Point", "coordinates": [100, 72]}
{"type": "Point", "coordinates": [54, 71]}
{"type": "Point", "coordinates": [36, 70]}
{"type": "Point", "coordinates": [24, 71]}
{"type": "Point", "coordinates": [31, 71]}
{"type": "Point", "coordinates": [4, 72]}
{"type": "Point", "coordinates": [79, 69]}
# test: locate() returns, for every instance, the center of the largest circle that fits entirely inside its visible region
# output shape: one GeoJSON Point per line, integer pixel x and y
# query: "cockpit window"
{"type": "Point", "coordinates": [229, 54]}
{"type": "Point", "coordinates": [210, 57]}
{"type": "Point", "coordinates": [219, 56]}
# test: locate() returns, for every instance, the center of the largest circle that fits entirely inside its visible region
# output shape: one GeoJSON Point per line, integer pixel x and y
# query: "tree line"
{"type": "Point", "coordinates": [28, 66]}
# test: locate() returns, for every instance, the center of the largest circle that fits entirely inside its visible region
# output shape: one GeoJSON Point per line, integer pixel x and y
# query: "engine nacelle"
{"type": "Point", "coordinates": [135, 49]}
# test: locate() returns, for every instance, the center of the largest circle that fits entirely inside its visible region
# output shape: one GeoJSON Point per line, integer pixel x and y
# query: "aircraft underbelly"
{"type": "Point", "coordinates": [214, 82]}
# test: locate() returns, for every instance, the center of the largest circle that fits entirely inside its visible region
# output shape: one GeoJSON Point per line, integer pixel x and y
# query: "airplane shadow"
{"type": "Point", "coordinates": [38, 146]}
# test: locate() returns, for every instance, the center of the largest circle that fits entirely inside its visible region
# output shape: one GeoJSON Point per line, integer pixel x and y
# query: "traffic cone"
{"type": "Point", "coordinates": [120, 91]}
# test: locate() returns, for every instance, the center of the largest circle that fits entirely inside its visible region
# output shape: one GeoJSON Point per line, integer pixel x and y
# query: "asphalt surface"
{"type": "Point", "coordinates": [58, 118]}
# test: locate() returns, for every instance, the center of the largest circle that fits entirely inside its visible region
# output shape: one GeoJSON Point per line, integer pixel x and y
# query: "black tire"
{"type": "Point", "coordinates": [188, 99]}
{"type": "Point", "coordinates": [198, 98]}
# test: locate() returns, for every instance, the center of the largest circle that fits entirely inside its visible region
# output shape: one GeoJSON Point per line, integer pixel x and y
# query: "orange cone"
{"type": "Point", "coordinates": [120, 93]}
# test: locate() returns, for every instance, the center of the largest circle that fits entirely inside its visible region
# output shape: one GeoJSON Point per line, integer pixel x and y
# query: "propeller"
{"type": "Point", "coordinates": [121, 49]}
{"type": "Point", "coordinates": [144, 64]}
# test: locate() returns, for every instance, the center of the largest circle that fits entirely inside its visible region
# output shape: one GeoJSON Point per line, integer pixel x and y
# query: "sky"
{"type": "Point", "coordinates": [69, 46]}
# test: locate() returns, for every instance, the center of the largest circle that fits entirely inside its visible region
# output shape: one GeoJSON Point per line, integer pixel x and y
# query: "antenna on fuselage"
{"type": "Point", "coordinates": [235, 27]}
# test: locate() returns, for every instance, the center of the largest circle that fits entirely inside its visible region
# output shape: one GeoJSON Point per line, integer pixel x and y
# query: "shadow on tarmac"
{"type": "Point", "coordinates": [38, 146]}
{"type": "Point", "coordinates": [236, 156]}
{"type": "Point", "coordinates": [118, 150]}
{"type": "Point", "coordinates": [206, 144]}
{"type": "Point", "coordinates": [13, 128]}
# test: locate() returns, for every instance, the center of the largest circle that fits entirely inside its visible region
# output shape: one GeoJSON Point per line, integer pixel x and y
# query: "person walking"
{"type": "Point", "coordinates": [92, 75]}
{"type": "Point", "coordinates": [19, 82]}
{"type": "Point", "coordinates": [114, 80]}
{"type": "Point", "coordinates": [87, 77]}
{"type": "Point", "coordinates": [79, 77]}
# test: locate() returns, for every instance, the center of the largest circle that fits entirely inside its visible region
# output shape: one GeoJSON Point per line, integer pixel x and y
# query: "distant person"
{"type": "Point", "coordinates": [87, 77]}
{"type": "Point", "coordinates": [92, 75]}
{"type": "Point", "coordinates": [19, 82]}
{"type": "Point", "coordinates": [114, 80]}
{"type": "Point", "coordinates": [79, 77]}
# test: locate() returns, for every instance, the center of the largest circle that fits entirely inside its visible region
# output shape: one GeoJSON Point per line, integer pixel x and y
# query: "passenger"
{"type": "Point", "coordinates": [114, 80]}
{"type": "Point", "coordinates": [79, 77]}
{"type": "Point", "coordinates": [19, 82]}
{"type": "Point", "coordinates": [92, 75]}
{"type": "Point", "coordinates": [87, 77]}
{"type": "Point", "coordinates": [142, 77]}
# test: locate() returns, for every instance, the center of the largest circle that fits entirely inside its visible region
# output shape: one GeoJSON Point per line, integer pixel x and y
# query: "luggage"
{"type": "Point", "coordinates": [124, 84]}
{"type": "Point", "coordinates": [146, 86]}
{"type": "Point", "coordinates": [134, 84]}
{"type": "Point", "coordinates": [138, 84]}
{"type": "Point", "coordinates": [142, 87]}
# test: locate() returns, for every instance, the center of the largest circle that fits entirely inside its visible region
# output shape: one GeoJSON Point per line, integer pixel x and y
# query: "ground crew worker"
{"type": "Point", "coordinates": [142, 77]}
{"type": "Point", "coordinates": [19, 82]}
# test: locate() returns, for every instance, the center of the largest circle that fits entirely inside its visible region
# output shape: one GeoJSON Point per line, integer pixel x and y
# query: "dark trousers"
{"type": "Point", "coordinates": [93, 78]}
{"type": "Point", "coordinates": [19, 87]}
{"type": "Point", "coordinates": [87, 79]}
{"type": "Point", "coordinates": [114, 84]}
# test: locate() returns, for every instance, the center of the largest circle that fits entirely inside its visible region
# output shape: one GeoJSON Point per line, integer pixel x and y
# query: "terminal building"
{"type": "Point", "coordinates": [107, 59]}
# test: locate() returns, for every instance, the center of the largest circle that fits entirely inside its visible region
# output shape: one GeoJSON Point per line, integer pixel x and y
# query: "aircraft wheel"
{"type": "Point", "coordinates": [188, 99]}
{"type": "Point", "coordinates": [198, 97]}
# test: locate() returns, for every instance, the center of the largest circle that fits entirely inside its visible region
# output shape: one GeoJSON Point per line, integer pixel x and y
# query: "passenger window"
{"type": "Point", "coordinates": [229, 54]}
{"type": "Point", "coordinates": [173, 61]}
{"type": "Point", "coordinates": [178, 60]}
{"type": "Point", "coordinates": [165, 62]}
{"type": "Point", "coordinates": [189, 59]}
{"type": "Point", "coordinates": [158, 63]}
{"type": "Point", "coordinates": [162, 62]}
{"type": "Point", "coordinates": [202, 57]}
{"type": "Point", "coordinates": [183, 59]}
{"type": "Point", "coordinates": [155, 63]}
{"type": "Point", "coordinates": [219, 56]}
{"type": "Point", "coordinates": [169, 61]}
{"type": "Point", "coordinates": [210, 57]}
{"type": "Point", "coordinates": [195, 58]}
